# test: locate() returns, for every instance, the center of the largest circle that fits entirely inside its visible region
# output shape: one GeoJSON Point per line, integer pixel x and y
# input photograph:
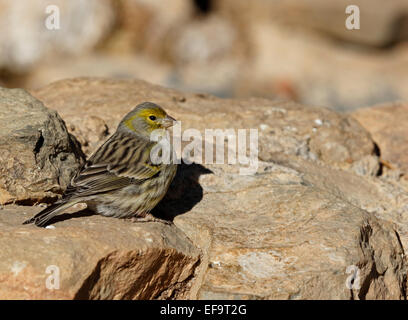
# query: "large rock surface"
{"type": "Point", "coordinates": [309, 132]}
{"type": "Point", "coordinates": [96, 257]}
{"type": "Point", "coordinates": [316, 206]}
{"type": "Point", "coordinates": [37, 154]}
{"type": "Point", "coordinates": [284, 234]}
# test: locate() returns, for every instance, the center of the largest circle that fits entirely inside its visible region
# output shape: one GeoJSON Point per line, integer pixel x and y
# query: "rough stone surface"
{"type": "Point", "coordinates": [388, 125]}
{"type": "Point", "coordinates": [97, 258]}
{"type": "Point", "coordinates": [384, 196]}
{"type": "Point", "coordinates": [310, 132]}
{"type": "Point", "coordinates": [37, 154]}
{"type": "Point", "coordinates": [279, 235]}
{"type": "Point", "coordinates": [292, 229]}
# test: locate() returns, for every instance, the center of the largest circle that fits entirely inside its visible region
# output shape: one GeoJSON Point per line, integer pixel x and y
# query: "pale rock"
{"type": "Point", "coordinates": [38, 156]}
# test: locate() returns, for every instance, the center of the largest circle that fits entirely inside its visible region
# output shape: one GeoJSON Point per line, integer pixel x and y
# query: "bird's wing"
{"type": "Point", "coordinates": [113, 167]}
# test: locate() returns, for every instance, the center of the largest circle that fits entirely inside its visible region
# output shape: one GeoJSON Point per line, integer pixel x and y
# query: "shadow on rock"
{"type": "Point", "coordinates": [184, 192]}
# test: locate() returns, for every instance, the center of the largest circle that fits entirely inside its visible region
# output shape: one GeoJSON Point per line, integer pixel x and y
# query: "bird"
{"type": "Point", "coordinates": [121, 179]}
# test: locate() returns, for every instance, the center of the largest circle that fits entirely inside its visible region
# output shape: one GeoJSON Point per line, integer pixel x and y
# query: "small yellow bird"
{"type": "Point", "coordinates": [120, 179]}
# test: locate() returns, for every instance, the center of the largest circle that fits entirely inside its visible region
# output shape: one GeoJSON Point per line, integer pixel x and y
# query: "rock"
{"type": "Point", "coordinates": [305, 67]}
{"type": "Point", "coordinates": [380, 24]}
{"type": "Point", "coordinates": [277, 235]}
{"type": "Point", "coordinates": [96, 257]}
{"type": "Point", "coordinates": [283, 233]}
{"type": "Point", "coordinates": [310, 132]}
{"type": "Point", "coordinates": [204, 51]}
{"type": "Point", "coordinates": [98, 65]}
{"type": "Point", "coordinates": [381, 196]}
{"type": "Point", "coordinates": [207, 54]}
{"type": "Point", "coordinates": [315, 210]}
{"type": "Point", "coordinates": [203, 40]}
{"type": "Point", "coordinates": [82, 26]}
{"type": "Point", "coordinates": [145, 25]}
{"type": "Point", "coordinates": [388, 127]}
{"type": "Point", "coordinates": [37, 154]}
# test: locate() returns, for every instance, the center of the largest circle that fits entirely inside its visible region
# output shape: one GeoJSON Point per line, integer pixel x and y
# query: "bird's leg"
{"type": "Point", "coordinates": [150, 218]}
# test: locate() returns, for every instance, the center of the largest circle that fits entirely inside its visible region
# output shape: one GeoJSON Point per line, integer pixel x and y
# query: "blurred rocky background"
{"type": "Point", "coordinates": [282, 49]}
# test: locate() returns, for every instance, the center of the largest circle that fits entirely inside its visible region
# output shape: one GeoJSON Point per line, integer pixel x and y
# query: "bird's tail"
{"type": "Point", "coordinates": [41, 218]}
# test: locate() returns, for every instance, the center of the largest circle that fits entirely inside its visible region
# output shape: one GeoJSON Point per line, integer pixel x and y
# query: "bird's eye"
{"type": "Point", "coordinates": [152, 118]}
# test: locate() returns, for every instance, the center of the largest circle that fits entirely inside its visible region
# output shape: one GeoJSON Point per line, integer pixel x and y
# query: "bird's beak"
{"type": "Point", "coordinates": [168, 122]}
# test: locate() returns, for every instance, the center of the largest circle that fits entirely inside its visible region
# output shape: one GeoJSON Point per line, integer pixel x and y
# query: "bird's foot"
{"type": "Point", "coordinates": [150, 218]}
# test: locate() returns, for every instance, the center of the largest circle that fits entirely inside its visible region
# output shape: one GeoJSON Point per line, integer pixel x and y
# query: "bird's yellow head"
{"type": "Point", "coordinates": [146, 118]}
